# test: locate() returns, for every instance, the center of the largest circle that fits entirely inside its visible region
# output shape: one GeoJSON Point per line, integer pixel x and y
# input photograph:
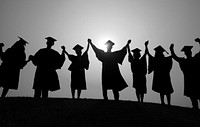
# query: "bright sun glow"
{"type": "Point", "coordinates": [101, 43]}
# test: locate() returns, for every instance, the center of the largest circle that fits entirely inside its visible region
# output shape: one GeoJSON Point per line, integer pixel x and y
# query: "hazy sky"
{"type": "Point", "coordinates": [71, 22]}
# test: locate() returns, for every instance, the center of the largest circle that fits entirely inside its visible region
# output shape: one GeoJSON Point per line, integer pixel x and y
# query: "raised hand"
{"type": "Point", "coordinates": [171, 46]}
{"type": "Point", "coordinates": [146, 43]}
{"type": "Point", "coordinates": [89, 41]}
{"type": "Point", "coordinates": [129, 41]}
{"type": "Point", "coordinates": [88, 45]}
{"type": "Point", "coordinates": [63, 47]}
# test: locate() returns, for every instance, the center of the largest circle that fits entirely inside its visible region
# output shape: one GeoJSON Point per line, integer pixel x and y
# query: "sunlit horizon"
{"type": "Point", "coordinates": [72, 22]}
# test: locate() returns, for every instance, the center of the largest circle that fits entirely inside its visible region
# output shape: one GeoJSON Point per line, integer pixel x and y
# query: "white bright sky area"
{"type": "Point", "coordinates": [72, 22]}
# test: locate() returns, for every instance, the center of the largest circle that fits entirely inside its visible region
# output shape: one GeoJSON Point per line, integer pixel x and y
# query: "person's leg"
{"type": "Point", "coordinates": [45, 93]}
{"type": "Point", "coordinates": [162, 99]}
{"type": "Point", "coordinates": [73, 92]}
{"type": "Point", "coordinates": [138, 96]}
{"type": "Point", "coordinates": [116, 94]}
{"type": "Point", "coordinates": [4, 93]}
{"type": "Point", "coordinates": [37, 93]}
{"type": "Point", "coordinates": [169, 99]}
{"type": "Point", "coordinates": [79, 93]}
{"type": "Point", "coordinates": [194, 102]}
{"type": "Point", "coordinates": [105, 97]}
{"type": "Point", "coordinates": [142, 97]}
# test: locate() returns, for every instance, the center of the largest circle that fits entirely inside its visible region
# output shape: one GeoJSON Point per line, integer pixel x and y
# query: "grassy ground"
{"type": "Point", "coordinates": [28, 112]}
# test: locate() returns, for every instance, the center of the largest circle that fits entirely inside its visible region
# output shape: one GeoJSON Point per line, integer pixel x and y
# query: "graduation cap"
{"type": "Point", "coordinates": [186, 48]}
{"type": "Point", "coordinates": [51, 39]}
{"type": "Point", "coordinates": [109, 43]}
{"type": "Point", "coordinates": [136, 50]}
{"type": "Point", "coordinates": [77, 47]}
{"type": "Point", "coordinates": [160, 49]}
{"type": "Point", "coordinates": [22, 40]}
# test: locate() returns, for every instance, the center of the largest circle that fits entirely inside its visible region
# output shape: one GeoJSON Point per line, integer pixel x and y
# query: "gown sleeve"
{"type": "Point", "coordinates": [36, 58]}
{"type": "Point", "coordinates": [144, 63]}
{"type": "Point", "coordinates": [86, 61]}
{"type": "Point", "coordinates": [61, 60]}
{"type": "Point", "coordinates": [168, 63]}
{"type": "Point", "coordinates": [98, 52]}
{"type": "Point", "coordinates": [151, 64]}
{"type": "Point", "coordinates": [71, 58]}
{"type": "Point", "coordinates": [130, 58]}
{"type": "Point", "coordinates": [120, 55]}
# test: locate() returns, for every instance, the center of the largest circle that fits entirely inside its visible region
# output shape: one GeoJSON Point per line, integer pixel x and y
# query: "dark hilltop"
{"type": "Point", "coordinates": [54, 112]}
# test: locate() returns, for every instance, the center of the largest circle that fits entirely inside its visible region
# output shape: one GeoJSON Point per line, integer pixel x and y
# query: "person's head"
{"type": "Point", "coordinates": [187, 50]}
{"type": "Point", "coordinates": [20, 44]}
{"type": "Point", "coordinates": [78, 49]}
{"type": "Point", "coordinates": [50, 41]}
{"type": "Point", "coordinates": [109, 44]}
{"type": "Point", "coordinates": [136, 53]}
{"type": "Point", "coordinates": [159, 51]}
{"type": "Point", "coordinates": [1, 45]}
{"type": "Point", "coordinates": [197, 40]}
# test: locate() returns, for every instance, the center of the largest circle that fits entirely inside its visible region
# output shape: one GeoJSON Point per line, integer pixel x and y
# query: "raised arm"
{"type": "Point", "coordinates": [93, 46]}
{"type": "Point", "coordinates": [147, 49]}
{"type": "Point", "coordinates": [64, 51]}
{"type": "Point", "coordinates": [174, 56]}
{"type": "Point", "coordinates": [88, 45]}
{"type": "Point", "coordinates": [127, 44]}
{"type": "Point", "coordinates": [98, 52]}
{"type": "Point", "coordinates": [129, 51]}
{"type": "Point", "coordinates": [1, 50]}
{"type": "Point", "coordinates": [130, 57]}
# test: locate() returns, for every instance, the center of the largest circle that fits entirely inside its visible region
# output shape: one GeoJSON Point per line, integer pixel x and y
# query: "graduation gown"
{"type": "Point", "coordinates": [47, 62]}
{"type": "Point", "coordinates": [111, 76]}
{"type": "Point", "coordinates": [139, 70]}
{"type": "Point", "coordinates": [196, 75]}
{"type": "Point", "coordinates": [77, 68]}
{"type": "Point", "coordinates": [161, 77]}
{"type": "Point", "coordinates": [13, 60]}
{"type": "Point", "coordinates": [190, 69]}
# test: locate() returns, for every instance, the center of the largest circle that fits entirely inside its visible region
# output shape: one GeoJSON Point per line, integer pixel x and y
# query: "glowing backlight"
{"type": "Point", "coordinates": [101, 43]}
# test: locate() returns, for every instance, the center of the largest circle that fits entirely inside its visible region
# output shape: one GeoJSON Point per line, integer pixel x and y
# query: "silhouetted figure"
{"type": "Point", "coordinates": [80, 62]}
{"type": "Point", "coordinates": [1, 49]}
{"type": "Point", "coordinates": [139, 70]}
{"type": "Point", "coordinates": [189, 69]}
{"type": "Point", "coordinates": [13, 60]}
{"type": "Point", "coordinates": [1, 54]}
{"type": "Point", "coordinates": [161, 66]}
{"type": "Point", "coordinates": [111, 76]}
{"type": "Point", "coordinates": [47, 61]}
{"type": "Point", "coordinates": [197, 68]}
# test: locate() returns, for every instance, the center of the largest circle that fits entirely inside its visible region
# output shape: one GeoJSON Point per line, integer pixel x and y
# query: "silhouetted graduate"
{"type": "Point", "coordinates": [47, 61]}
{"type": "Point", "coordinates": [111, 76]}
{"type": "Point", "coordinates": [1, 48]}
{"type": "Point", "coordinates": [161, 66]}
{"type": "Point", "coordinates": [13, 60]}
{"type": "Point", "coordinates": [80, 62]}
{"type": "Point", "coordinates": [190, 71]}
{"type": "Point", "coordinates": [139, 70]}
{"type": "Point", "coordinates": [197, 68]}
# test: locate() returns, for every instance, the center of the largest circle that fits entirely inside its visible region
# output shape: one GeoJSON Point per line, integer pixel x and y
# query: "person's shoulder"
{"type": "Point", "coordinates": [197, 54]}
{"type": "Point", "coordinates": [42, 49]}
{"type": "Point", "coordinates": [54, 51]}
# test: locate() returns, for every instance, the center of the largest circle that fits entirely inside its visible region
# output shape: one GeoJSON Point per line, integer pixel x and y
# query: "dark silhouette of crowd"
{"type": "Point", "coordinates": [48, 60]}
